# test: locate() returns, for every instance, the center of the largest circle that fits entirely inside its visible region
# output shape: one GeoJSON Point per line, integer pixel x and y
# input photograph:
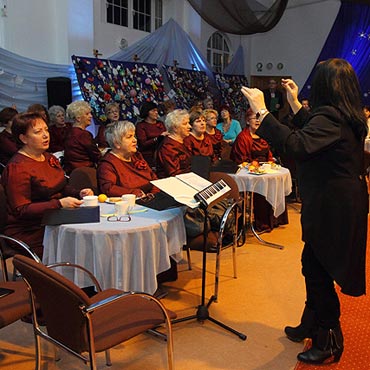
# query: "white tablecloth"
{"type": "Point", "coordinates": [123, 255]}
{"type": "Point", "coordinates": [274, 186]}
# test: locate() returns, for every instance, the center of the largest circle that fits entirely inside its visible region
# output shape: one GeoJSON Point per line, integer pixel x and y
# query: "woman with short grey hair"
{"type": "Point", "coordinates": [58, 128]}
{"type": "Point", "coordinates": [80, 147]}
{"type": "Point", "coordinates": [123, 170]}
{"type": "Point", "coordinates": [172, 156]}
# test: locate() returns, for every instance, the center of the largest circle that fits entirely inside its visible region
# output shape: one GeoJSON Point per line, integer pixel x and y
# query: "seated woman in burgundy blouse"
{"type": "Point", "coordinates": [173, 157]}
{"type": "Point", "coordinates": [112, 113]}
{"type": "Point", "coordinates": [34, 182]}
{"type": "Point", "coordinates": [80, 147]}
{"type": "Point", "coordinates": [198, 142]}
{"type": "Point", "coordinates": [249, 147]}
{"type": "Point", "coordinates": [123, 170]}
{"type": "Point", "coordinates": [149, 131]}
{"type": "Point", "coordinates": [214, 133]}
{"type": "Point", "coordinates": [8, 145]}
{"type": "Point", "coordinates": [58, 128]}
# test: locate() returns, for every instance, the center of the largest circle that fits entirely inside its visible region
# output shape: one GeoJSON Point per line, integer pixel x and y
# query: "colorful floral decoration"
{"type": "Point", "coordinates": [54, 162]}
{"type": "Point", "coordinates": [130, 84]}
{"type": "Point", "coordinates": [187, 86]}
{"type": "Point", "coordinates": [140, 164]}
{"type": "Point", "coordinates": [229, 86]}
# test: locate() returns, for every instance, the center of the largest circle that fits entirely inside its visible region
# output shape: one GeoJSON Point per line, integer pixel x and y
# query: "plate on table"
{"type": "Point", "coordinates": [113, 200]}
{"type": "Point", "coordinates": [257, 172]}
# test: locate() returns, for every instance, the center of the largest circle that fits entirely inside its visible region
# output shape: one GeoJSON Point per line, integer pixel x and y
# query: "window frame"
{"type": "Point", "coordinates": [218, 49]}
{"type": "Point", "coordinates": [146, 21]}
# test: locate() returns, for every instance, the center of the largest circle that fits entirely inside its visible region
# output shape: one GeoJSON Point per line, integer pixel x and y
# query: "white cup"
{"type": "Point", "coordinates": [121, 208]}
{"type": "Point", "coordinates": [266, 166]}
{"type": "Point", "coordinates": [131, 199]}
{"type": "Point", "coordinates": [90, 200]}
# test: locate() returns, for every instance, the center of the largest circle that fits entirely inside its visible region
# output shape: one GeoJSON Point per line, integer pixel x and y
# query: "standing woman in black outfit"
{"type": "Point", "coordinates": [328, 147]}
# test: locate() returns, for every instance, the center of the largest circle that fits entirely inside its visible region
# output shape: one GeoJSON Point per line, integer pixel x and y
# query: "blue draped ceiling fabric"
{"type": "Point", "coordinates": [167, 44]}
{"type": "Point", "coordinates": [349, 39]}
{"type": "Point", "coordinates": [236, 66]}
{"type": "Point", "coordinates": [240, 17]}
{"type": "Point", "coordinates": [23, 80]}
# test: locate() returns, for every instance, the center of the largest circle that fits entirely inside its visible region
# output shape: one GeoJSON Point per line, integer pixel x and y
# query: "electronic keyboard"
{"type": "Point", "coordinates": [212, 193]}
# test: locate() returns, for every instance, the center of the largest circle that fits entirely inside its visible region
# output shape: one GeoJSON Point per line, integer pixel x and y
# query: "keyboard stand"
{"type": "Point", "coordinates": [202, 313]}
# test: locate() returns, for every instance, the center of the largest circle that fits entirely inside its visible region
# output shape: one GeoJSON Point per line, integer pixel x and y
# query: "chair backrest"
{"type": "Point", "coordinates": [14, 305]}
{"type": "Point", "coordinates": [10, 246]}
{"type": "Point", "coordinates": [3, 209]}
{"type": "Point", "coordinates": [59, 300]}
{"type": "Point", "coordinates": [201, 165]}
{"type": "Point", "coordinates": [84, 177]}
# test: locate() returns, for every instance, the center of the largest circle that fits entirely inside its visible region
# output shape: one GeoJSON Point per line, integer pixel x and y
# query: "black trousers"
{"type": "Point", "coordinates": [320, 292]}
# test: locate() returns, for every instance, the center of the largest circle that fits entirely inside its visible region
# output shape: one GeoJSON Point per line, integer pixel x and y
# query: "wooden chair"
{"type": "Point", "coordinates": [80, 324]}
{"type": "Point", "coordinates": [17, 304]}
{"type": "Point", "coordinates": [84, 177]}
{"type": "Point", "coordinates": [216, 240]}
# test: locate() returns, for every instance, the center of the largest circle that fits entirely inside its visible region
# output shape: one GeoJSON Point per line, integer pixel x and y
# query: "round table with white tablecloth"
{"type": "Point", "coordinates": [274, 185]}
{"type": "Point", "coordinates": [122, 255]}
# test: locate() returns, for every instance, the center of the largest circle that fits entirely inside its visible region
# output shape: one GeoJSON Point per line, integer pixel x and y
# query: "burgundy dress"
{"type": "Point", "coordinates": [247, 149]}
{"type": "Point", "coordinates": [100, 137]}
{"type": "Point", "coordinates": [80, 150]}
{"type": "Point", "coordinates": [117, 177]}
{"type": "Point", "coordinates": [31, 188]}
{"type": "Point", "coordinates": [57, 137]}
{"type": "Point", "coordinates": [217, 142]}
{"type": "Point", "coordinates": [200, 147]}
{"type": "Point", "coordinates": [147, 136]}
{"type": "Point", "coordinates": [8, 147]}
{"type": "Point", "coordinates": [173, 158]}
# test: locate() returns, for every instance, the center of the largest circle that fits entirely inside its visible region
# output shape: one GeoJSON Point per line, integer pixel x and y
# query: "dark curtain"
{"type": "Point", "coordinates": [240, 17]}
{"type": "Point", "coordinates": [349, 39]}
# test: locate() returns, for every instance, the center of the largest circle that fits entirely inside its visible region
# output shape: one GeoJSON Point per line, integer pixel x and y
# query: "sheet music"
{"type": "Point", "coordinates": [183, 187]}
{"type": "Point", "coordinates": [195, 181]}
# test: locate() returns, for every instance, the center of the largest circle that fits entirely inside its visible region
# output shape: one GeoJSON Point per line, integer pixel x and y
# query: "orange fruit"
{"type": "Point", "coordinates": [102, 198]}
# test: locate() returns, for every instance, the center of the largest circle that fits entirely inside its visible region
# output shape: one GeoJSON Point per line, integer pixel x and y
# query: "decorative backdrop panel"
{"type": "Point", "coordinates": [229, 86]}
{"type": "Point", "coordinates": [129, 84]}
{"type": "Point", "coordinates": [187, 86]}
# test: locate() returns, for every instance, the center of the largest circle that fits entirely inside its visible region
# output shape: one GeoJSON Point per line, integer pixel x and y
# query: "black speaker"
{"type": "Point", "coordinates": [59, 91]}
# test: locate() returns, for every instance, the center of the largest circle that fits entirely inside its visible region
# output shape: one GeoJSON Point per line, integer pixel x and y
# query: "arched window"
{"type": "Point", "coordinates": [218, 52]}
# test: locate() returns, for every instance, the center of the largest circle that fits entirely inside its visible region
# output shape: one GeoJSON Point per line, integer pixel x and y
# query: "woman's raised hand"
{"type": "Point", "coordinates": [292, 94]}
{"type": "Point", "coordinates": [255, 98]}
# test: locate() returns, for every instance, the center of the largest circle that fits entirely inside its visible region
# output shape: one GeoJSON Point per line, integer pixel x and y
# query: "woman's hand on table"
{"type": "Point", "coordinates": [85, 192]}
{"type": "Point", "coordinates": [70, 202]}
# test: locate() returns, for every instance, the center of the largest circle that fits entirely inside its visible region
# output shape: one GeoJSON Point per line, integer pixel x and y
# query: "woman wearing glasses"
{"type": "Point", "coordinates": [123, 169]}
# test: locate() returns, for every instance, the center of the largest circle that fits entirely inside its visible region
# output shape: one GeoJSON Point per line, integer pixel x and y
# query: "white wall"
{"type": "Point", "coordinates": [296, 41]}
{"type": "Point", "coordinates": [53, 30]}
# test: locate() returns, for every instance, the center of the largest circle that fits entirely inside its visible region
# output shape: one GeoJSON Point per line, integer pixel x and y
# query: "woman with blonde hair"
{"type": "Point", "coordinates": [80, 147]}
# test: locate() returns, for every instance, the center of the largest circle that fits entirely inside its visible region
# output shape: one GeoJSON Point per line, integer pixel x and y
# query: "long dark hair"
{"type": "Point", "coordinates": [335, 84]}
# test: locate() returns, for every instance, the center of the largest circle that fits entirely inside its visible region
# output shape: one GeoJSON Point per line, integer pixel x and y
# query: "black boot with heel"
{"type": "Point", "coordinates": [306, 329]}
{"type": "Point", "coordinates": [326, 344]}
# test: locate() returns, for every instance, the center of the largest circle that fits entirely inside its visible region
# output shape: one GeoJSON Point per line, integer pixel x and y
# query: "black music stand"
{"type": "Point", "coordinates": [202, 313]}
